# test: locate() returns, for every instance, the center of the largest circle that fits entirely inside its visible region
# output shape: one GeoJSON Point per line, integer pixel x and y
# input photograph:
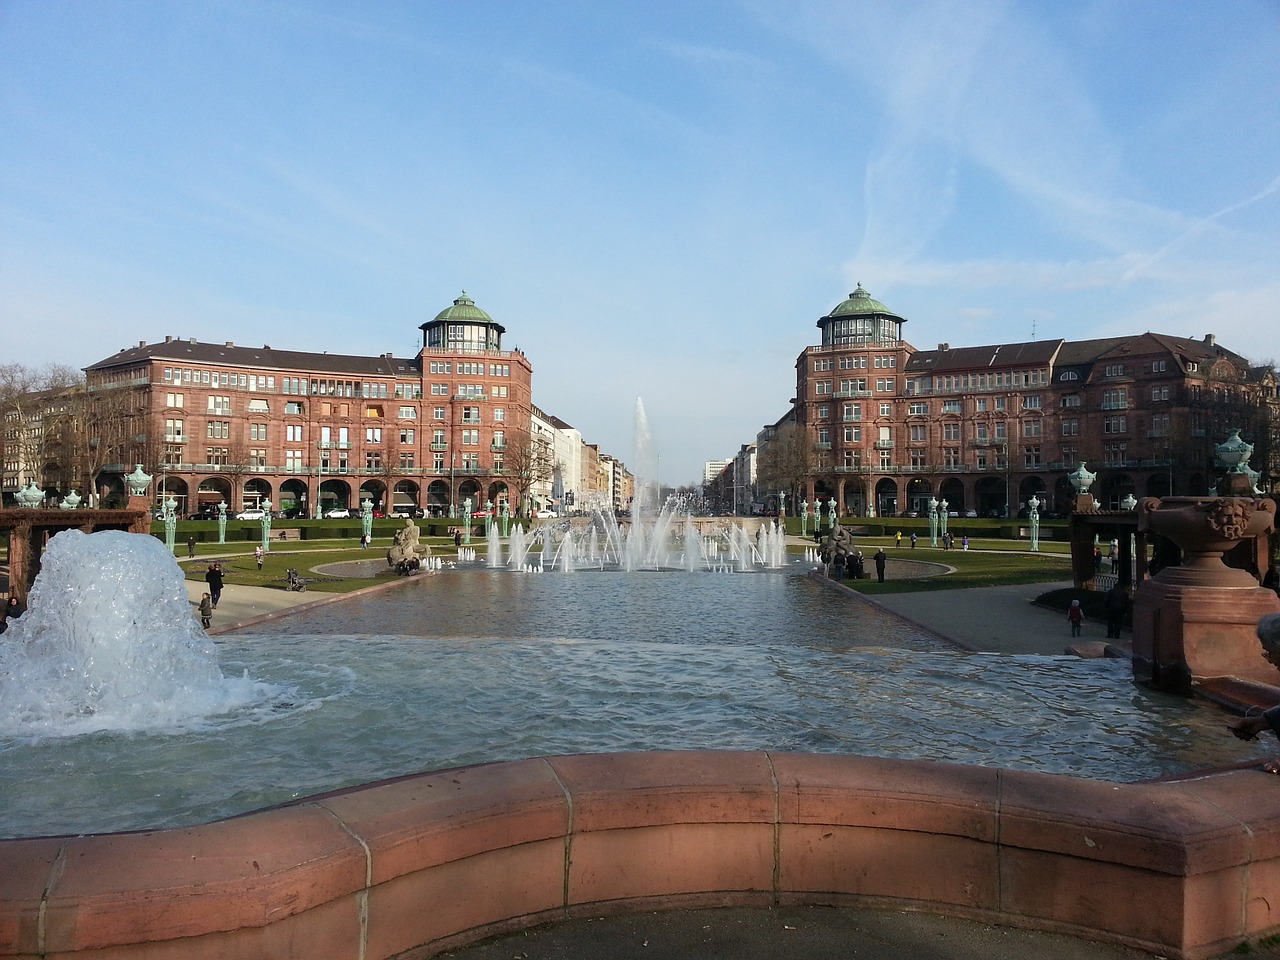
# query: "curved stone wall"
{"type": "Point", "coordinates": [415, 865]}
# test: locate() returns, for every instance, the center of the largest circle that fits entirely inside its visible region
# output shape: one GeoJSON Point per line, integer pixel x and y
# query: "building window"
{"type": "Point", "coordinates": [1115, 424]}
{"type": "Point", "coordinates": [216, 456]}
{"type": "Point", "coordinates": [372, 434]}
{"type": "Point", "coordinates": [257, 405]}
{"type": "Point", "coordinates": [1031, 456]}
{"type": "Point", "coordinates": [293, 461]}
{"type": "Point", "coordinates": [406, 459]}
{"type": "Point", "coordinates": [1113, 454]}
{"type": "Point", "coordinates": [951, 406]}
{"type": "Point", "coordinates": [950, 457]}
{"type": "Point", "coordinates": [981, 433]}
{"type": "Point", "coordinates": [470, 438]}
{"type": "Point", "coordinates": [1115, 370]}
{"type": "Point", "coordinates": [437, 462]}
{"type": "Point", "coordinates": [293, 408]}
{"type": "Point", "coordinates": [824, 412]}
{"type": "Point", "coordinates": [884, 384]}
{"type": "Point", "coordinates": [853, 433]}
{"type": "Point", "coordinates": [918, 410]}
{"type": "Point", "coordinates": [1115, 399]}
{"type": "Point", "coordinates": [851, 411]}
{"type": "Point", "coordinates": [406, 435]}
{"type": "Point", "coordinates": [822, 387]}
{"type": "Point", "coordinates": [918, 458]}
{"type": "Point", "coordinates": [470, 414]}
{"type": "Point", "coordinates": [373, 459]}
{"type": "Point", "coordinates": [821, 363]}
{"type": "Point", "coordinates": [886, 409]}
{"type": "Point", "coordinates": [1031, 428]}
{"type": "Point", "coordinates": [499, 439]}
{"type": "Point", "coordinates": [1159, 366]}
{"type": "Point", "coordinates": [257, 459]}
{"type": "Point", "coordinates": [1160, 425]}
{"type": "Point", "coordinates": [437, 439]}
{"type": "Point", "coordinates": [173, 431]}
{"type": "Point", "coordinates": [257, 431]}
{"type": "Point", "coordinates": [951, 431]}
{"type": "Point", "coordinates": [218, 430]}
{"type": "Point", "coordinates": [408, 413]}
{"type": "Point", "coordinates": [220, 405]}
{"type": "Point", "coordinates": [293, 433]}
{"type": "Point", "coordinates": [1070, 400]}
{"type": "Point", "coordinates": [174, 399]}
{"type": "Point", "coordinates": [471, 463]}
{"type": "Point", "coordinates": [499, 414]}
{"type": "Point", "coordinates": [1157, 393]}
{"type": "Point", "coordinates": [1032, 402]}
{"type": "Point", "coordinates": [1070, 428]}
{"type": "Point", "coordinates": [919, 432]}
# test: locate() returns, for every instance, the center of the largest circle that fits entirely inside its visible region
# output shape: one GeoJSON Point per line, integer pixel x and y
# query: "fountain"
{"type": "Point", "coordinates": [109, 644]}
{"type": "Point", "coordinates": [791, 721]}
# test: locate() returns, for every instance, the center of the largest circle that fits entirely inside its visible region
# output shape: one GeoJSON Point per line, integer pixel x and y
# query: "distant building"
{"type": "Point", "coordinates": [883, 427]}
{"type": "Point", "coordinates": [309, 431]}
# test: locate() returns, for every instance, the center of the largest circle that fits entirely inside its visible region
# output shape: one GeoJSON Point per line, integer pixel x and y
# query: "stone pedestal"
{"type": "Point", "coordinates": [1181, 633]}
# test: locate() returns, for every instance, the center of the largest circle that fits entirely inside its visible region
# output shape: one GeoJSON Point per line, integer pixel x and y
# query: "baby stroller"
{"type": "Point", "coordinates": [295, 581]}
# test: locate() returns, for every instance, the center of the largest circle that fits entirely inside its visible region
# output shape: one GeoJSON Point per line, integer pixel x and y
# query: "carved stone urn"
{"type": "Point", "coordinates": [1205, 528]}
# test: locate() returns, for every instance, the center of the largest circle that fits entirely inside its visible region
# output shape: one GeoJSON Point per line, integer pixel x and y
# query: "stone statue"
{"type": "Point", "coordinates": [406, 549]}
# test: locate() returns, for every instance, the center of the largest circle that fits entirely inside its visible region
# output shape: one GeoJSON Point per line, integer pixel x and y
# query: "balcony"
{"type": "Point", "coordinates": [1114, 405]}
{"type": "Point", "coordinates": [439, 446]}
{"type": "Point", "coordinates": [884, 444]}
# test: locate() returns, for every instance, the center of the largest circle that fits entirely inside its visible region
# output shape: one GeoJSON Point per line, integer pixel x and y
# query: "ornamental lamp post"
{"type": "Point", "coordinates": [1033, 512]}
{"type": "Point", "coordinates": [933, 521]}
{"type": "Point", "coordinates": [266, 525]}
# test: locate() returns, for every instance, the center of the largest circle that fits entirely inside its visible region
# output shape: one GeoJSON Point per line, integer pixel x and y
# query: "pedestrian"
{"type": "Point", "coordinates": [913, 540]}
{"type": "Point", "coordinates": [257, 555]}
{"type": "Point", "coordinates": [837, 565]}
{"type": "Point", "coordinates": [191, 547]}
{"type": "Point", "coordinates": [11, 611]}
{"type": "Point", "coordinates": [364, 541]}
{"type": "Point", "coordinates": [457, 538]}
{"type": "Point", "coordinates": [1075, 616]}
{"type": "Point", "coordinates": [1117, 606]}
{"type": "Point", "coordinates": [206, 610]}
{"type": "Point", "coordinates": [880, 559]}
{"type": "Point", "coordinates": [897, 540]}
{"type": "Point", "coordinates": [1097, 559]}
{"type": "Point", "coordinates": [964, 543]}
{"type": "Point", "coordinates": [213, 577]}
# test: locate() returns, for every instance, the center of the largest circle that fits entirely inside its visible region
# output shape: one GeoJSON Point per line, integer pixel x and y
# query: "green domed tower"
{"type": "Point", "coordinates": [462, 328]}
{"type": "Point", "coordinates": [860, 320]}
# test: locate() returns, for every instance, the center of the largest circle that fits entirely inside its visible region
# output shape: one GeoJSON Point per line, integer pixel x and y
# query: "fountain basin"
{"type": "Point", "coordinates": [1186, 869]}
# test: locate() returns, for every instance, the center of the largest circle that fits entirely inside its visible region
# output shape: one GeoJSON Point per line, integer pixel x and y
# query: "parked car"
{"type": "Point", "coordinates": [546, 514]}
{"type": "Point", "coordinates": [479, 514]}
{"type": "Point", "coordinates": [254, 514]}
{"type": "Point", "coordinates": [971, 514]}
{"type": "Point", "coordinates": [295, 513]}
{"type": "Point", "coordinates": [338, 513]}
{"type": "Point", "coordinates": [406, 512]}
{"type": "Point", "coordinates": [207, 512]}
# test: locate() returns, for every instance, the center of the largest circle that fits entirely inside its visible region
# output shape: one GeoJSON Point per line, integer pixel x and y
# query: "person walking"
{"type": "Point", "coordinates": [1117, 606]}
{"type": "Point", "coordinates": [213, 577]}
{"type": "Point", "coordinates": [837, 565]}
{"type": "Point", "coordinates": [1075, 616]}
{"type": "Point", "coordinates": [964, 543]}
{"type": "Point", "coordinates": [897, 540]}
{"type": "Point", "coordinates": [880, 560]}
{"type": "Point", "coordinates": [913, 539]}
{"type": "Point", "coordinates": [257, 555]}
{"type": "Point", "coordinates": [191, 547]}
{"type": "Point", "coordinates": [206, 610]}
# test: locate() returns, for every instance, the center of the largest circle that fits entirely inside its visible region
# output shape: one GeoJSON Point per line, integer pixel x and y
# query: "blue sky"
{"type": "Point", "coordinates": [657, 199]}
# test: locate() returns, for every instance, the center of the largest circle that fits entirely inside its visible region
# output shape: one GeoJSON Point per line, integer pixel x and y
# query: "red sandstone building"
{"type": "Point", "coordinates": [314, 431]}
{"type": "Point", "coordinates": [987, 427]}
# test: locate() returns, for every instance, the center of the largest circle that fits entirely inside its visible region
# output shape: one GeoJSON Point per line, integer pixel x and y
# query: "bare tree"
{"type": "Point", "coordinates": [529, 460]}
{"type": "Point", "coordinates": [787, 460]}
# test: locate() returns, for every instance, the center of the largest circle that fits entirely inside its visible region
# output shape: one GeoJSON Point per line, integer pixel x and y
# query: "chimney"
{"type": "Point", "coordinates": [1210, 339]}
{"type": "Point", "coordinates": [142, 343]}
{"type": "Point", "coordinates": [230, 344]}
{"type": "Point", "coordinates": [193, 339]}
{"type": "Point", "coordinates": [944, 346]}
{"type": "Point", "coordinates": [168, 339]}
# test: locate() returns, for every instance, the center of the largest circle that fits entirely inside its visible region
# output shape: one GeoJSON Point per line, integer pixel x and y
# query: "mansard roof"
{"type": "Point", "coordinates": [262, 358]}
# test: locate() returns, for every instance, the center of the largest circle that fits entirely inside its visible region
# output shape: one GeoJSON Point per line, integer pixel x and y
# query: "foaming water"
{"type": "Point", "coordinates": [480, 665]}
{"type": "Point", "coordinates": [109, 643]}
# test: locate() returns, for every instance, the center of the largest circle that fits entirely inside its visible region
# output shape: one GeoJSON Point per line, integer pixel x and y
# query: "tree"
{"type": "Point", "coordinates": [530, 460]}
{"type": "Point", "coordinates": [35, 406]}
{"type": "Point", "coordinates": [787, 460]}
